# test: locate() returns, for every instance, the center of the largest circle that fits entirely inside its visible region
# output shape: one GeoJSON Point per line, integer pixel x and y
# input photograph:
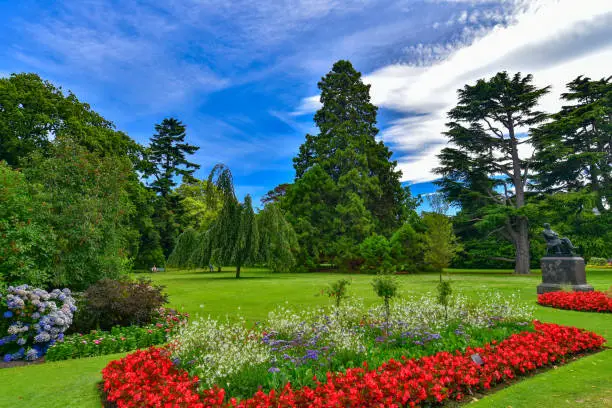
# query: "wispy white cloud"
{"type": "Point", "coordinates": [555, 40]}
{"type": "Point", "coordinates": [126, 46]}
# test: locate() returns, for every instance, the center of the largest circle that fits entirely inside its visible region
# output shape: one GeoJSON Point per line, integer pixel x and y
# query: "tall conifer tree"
{"type": "Point", "coordinates": [166, 159]}
{"type": "Point", "coordinates": [484, 162]}
{"type": "Point", "coordinates": [365, 189]}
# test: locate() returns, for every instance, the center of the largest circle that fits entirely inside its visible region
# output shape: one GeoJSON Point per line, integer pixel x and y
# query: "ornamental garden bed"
{"type": "Point", "coordinates": [149, 378]}
{"type": "Point", "coordinates": [432, 353]}
{"type": "Point", "coordinates": [580, 301]}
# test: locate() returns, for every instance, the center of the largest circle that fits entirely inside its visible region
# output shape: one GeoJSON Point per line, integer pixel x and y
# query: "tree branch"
{"type": "Point", "coordinates": [495, 131]}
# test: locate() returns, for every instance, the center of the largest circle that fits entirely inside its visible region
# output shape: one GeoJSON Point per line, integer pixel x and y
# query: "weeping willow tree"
{"type": "Point", "coordinates": [278, 242]}
{"type": "Point", "coordinates": [181, 255]}
{"type": "Point", "coordinates": [233, 237]}
{"type": "Point", "coordinates": [237, 236]}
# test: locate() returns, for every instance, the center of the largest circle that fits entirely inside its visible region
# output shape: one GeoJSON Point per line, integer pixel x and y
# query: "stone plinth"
{"type": "Point", "coordinates": [559, 273]}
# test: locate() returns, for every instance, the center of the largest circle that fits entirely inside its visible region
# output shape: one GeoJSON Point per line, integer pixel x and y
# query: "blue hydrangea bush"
{"type": "Point", "coordinates": [33, 320]}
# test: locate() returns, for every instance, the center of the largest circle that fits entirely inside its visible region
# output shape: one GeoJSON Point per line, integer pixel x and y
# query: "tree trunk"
{"type": "Point", "coordinates": [522, 248]}
{"type": "Point", "coordinates": [237, 271]}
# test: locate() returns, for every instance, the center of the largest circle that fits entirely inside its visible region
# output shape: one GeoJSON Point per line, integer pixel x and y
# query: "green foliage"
{"type": "Point", "coordinates": [233, 238]}
{"type": "Point", "coordinates": [574, 151]}
{"type": "Point", "coordinates": [33, 110]}
{"type": "Point", "coordinates": [440, 241]}
{"type": "Point", "coordinates": [444, 291]}
{"type": "Point", "coordinates": [275, 195]}
{"type": "Point", "coordinates": [338, 290]}
{"type": "Point", "coordinates": [87, 209]}
{"type": "Point", "coordinates": [100, 343]}
{"type": "Point", "coordinates": [182, 254]}
{"type": "Point", "coordinates": [595, 261]}
{"type": "Point", "coordinates": [197, 211]}
{"type": "Point", "coordinates": [110, 303]}
{"type": "Point", "coordinates": [166, 322]}
{"type": "Point", "coordinates": [347, 171]}
{"type": "Point", "coordinates": [39, 125]}
{"type": "Point", "coordinates": [444, 294]}
{"type": "Point", "coordinates": [386, 287]}
{"type": "Point", "coordinates": [407, 249]}
{"type": "Point", "coordinates": [376, 253]}
{"type": "Point", "coordinates": [278, 242]}
{"type": "Point", "coordinates": [310, 207]}
{"type": "Point", "coordinates": [26, 245]}
{"type": "Point", "coordinates": [570, 214]}
{"type": "Point", "coordinates": [145, 245]}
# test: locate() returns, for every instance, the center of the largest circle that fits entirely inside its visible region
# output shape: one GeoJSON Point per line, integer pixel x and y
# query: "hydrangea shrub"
{"type": "Point", "coordinates": [33, 320]}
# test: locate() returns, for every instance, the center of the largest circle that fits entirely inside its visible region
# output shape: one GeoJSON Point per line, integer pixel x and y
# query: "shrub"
{"type": "Point", "coordinates": [119, 339]}
{"type": "Point", "coordinates": [376, 252]}
{"type": "Point", "coordinates": [444, 293]}
{"type": "Point", "coordinates": [110, 303]}
{"type": "Point", "coordinates": [407, 247]}
{"type": "Point", "coordinates": [595, 261]}
{"type": "Point", "coordinates": [33, 319]}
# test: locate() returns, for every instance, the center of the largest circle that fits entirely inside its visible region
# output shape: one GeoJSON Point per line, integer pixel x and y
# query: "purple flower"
{"type": "Point", "coordinates": [7, 358]}
{"type": "Point", "coordinates": [273, 370]}
{"type": "Point", "coordinates": [8, 314]}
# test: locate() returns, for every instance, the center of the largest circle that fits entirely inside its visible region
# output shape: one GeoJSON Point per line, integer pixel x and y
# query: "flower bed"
{"type": "Point", "coordinates": [150, 378]}
{"type": "Point", "coordinates": [296, 345]}
{"type": "Point", "coordinates": [119, 339]}
{"type": "Point", "coordinates": [581, 301]}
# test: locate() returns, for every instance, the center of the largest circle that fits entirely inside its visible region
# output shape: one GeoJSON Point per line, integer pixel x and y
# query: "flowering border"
{"type": "Point", "coordinates": [149, 379]}
{"type": "Point", "coordinates": [580, 301]}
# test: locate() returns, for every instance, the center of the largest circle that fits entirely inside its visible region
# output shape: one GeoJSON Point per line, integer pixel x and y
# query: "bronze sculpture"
{"type": "Point", "coordinates": [556, 246]}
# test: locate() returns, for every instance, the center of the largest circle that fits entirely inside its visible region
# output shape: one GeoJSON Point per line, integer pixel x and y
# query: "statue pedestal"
{"type": "Point", "coordinates": [560, 273]}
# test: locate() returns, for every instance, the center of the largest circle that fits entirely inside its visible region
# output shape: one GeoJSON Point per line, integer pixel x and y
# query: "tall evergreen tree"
{"type": "Point", "coordinates": [574, 150]}
{"type": "Point", "coordinates": [167, 156]}
{"type": "Point", "coordinates": [366, 185]}
{"type": "Point", "coordinates": [484, 160]}
{"type": "Point", "coordinates": [165, 161]}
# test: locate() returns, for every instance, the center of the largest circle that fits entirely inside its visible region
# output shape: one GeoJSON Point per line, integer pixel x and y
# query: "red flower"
{"type": "Point", "coordinates": [582, 301]}
{"type": "Point", "coordinates": [149, 379]}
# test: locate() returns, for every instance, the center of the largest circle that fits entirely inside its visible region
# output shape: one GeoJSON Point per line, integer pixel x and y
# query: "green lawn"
{"type": "Point", "coordinates": [584, 383]}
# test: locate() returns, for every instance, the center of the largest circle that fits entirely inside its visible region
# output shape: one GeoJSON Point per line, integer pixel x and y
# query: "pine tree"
{"type": "Point", "coordinates": [165, 159]}
{"type": "Point", "coordinates": [166, 156]}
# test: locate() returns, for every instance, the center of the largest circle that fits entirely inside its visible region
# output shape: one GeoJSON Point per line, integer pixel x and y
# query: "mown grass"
{"type": "Point", "coordinates": [585, 383]}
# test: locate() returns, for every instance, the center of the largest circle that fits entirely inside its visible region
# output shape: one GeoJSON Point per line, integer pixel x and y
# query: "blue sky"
{"type": "Point", "coordinates": [242, 74]}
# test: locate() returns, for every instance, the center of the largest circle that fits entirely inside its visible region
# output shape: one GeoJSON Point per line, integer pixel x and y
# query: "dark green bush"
{"type": "Point", "coordinates": [109, 303]}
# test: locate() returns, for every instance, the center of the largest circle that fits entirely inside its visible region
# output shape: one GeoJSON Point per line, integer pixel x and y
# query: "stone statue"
{"type": "Point", "coordinates": [556, 246]}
